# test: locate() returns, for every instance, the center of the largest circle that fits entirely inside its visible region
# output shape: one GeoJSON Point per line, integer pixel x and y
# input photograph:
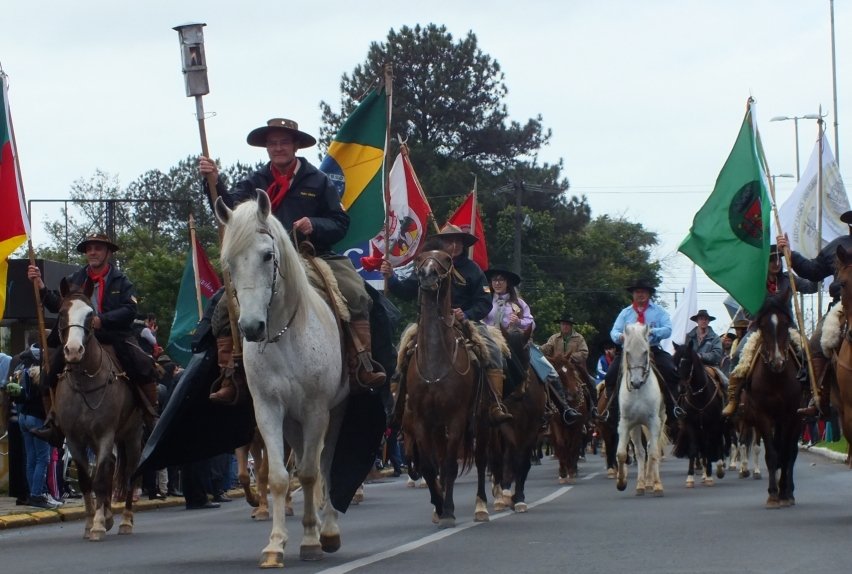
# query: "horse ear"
{"type": "Point", "coordinates": [647, 330]}
{"type": "Point", "coordinates": [223, 212]}
{"type": "Point", "coordinates": [88, 289]}
{"type": "Point", "coordinates": [842, 254]}
{"type": "Point", "coordinates": [264, 206]}
{"type": "Point", "coordinates": [64, 287]}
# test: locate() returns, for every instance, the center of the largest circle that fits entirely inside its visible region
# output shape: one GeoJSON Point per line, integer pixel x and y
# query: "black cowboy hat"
{"type": "Point", "coordinates": [513, 279]}
{"type": "Point", "coordinates": [846, 217]}
{"type": "Point", "coordinates": [702, 313]}
{"type": "Point", "coordinates": [773, 250]}
{"type": "Point", "coordinates": [257, 137]}
{"type": "Point", "coordinates": [642, 284]}
{"type": "Point", "coordinates": [97, 238]}
{"type": "Point", "coordinates": [163, 359]}
{"type": "Point", "coordinates": [731, 336]}
{"type": "Point", "coordinates": [450, 231]}
{"type": "Point", "coordinates": [565, 317]}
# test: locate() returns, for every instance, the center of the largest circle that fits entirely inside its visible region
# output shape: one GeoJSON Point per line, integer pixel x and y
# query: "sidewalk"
{"type": "Point", "coordinates": [14, 516]}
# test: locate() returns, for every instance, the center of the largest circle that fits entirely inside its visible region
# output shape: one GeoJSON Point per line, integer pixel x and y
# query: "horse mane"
{"type": "Point", "coordinates": [241, 233]}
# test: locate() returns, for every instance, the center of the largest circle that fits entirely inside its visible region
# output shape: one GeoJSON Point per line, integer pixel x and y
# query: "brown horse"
{"type": "Point", "coordinates": [444, 409]}
{"type": "Point", "coordinates": [257, 499]}
{"type": "Point", "coordinates": [702, 430]}
{"type": "Point", "coordinates": [97, 411]}
{"type": "Point", "coordinates": [772, 395]}
{"type": "Point", "coordinates": [570, 440]}
{"type": "Point", "coordinates": [842, 387]}
{"type": "Point", "coordinates": [513, 443]}
{"type": "Point", "coordinates": [607, 427]}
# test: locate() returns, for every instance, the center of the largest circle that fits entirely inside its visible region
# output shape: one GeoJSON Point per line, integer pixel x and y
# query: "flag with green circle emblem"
{"type": "Point", "coordinates": [729, 237]}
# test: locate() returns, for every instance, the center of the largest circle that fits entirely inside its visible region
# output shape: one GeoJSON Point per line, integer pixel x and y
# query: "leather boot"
{"type": "Point", "coordinates": [366, 372]}
{"type": "Point", "coordinates": [49, 432]}
{"type": "Point", "coordinates": [734, 385]}
{"type": "Point", "coordinates": [497, 413]}
{"type": "Point", "coordinates": [569, 413]}
{"type": "Point", "coordinates": [150, 411]}
{"type": "Point", "coordinates": [226, 392]}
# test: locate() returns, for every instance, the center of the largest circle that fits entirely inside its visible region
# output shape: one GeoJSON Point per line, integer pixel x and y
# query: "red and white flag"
{"type": "Point", "coordinates": [465, 220]}
{"type": "Point", "coordinates": [408, 216]}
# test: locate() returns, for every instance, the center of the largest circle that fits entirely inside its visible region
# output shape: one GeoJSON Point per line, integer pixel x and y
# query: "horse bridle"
{"type": "Point", "coordinates": [276, 273]}
{"type": "Point", "coordinates": [645, 370]}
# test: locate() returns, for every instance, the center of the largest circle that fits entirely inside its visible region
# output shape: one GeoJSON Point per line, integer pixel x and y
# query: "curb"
{"type": "Point", "coordinates": [37, 517]}
{"type": "Point", "coordinates": [825, 452]}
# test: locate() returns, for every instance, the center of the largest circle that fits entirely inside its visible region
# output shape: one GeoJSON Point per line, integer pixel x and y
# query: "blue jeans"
{"type": "Point", "coordinates": [38, 455]}
{"type": "Point", "coordinates": [541, 365]}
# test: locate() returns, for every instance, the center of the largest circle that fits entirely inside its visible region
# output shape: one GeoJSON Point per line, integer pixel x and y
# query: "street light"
{"type": "Point", "coordinates": [796, 123]}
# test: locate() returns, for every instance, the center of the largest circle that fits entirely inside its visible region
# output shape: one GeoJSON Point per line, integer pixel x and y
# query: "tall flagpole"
{"type": "Point", "coordinates": [42, 331]}
{"type": "Point", "coordinates": [195, 269]}
{"type": "Point", "coordinates": [388, 69]}
{"type": "Point", "coordinates": [472, 218]}
{"type": "Point", "coordinates": [820, 129]}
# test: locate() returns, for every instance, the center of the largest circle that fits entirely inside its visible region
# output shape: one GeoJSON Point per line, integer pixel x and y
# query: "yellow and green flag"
{"type": "Point", "coordinates": [14, 223]}
{"type": "Point", "coordinates": [729, 237]}
{"type": "Point", "coordinates": [355, 163]}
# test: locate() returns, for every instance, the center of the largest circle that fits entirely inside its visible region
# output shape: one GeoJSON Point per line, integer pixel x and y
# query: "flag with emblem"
{"type": "Point", "coordinates": [729, 237]}
{"type": "Point", "coordinates": [198, 285]}
{"type": "Point", "coordinates": [354, 163]}
{"type": "Point", "coordinates": [468, 219]}
{"type": "Point", "coordinates": [14, 223]}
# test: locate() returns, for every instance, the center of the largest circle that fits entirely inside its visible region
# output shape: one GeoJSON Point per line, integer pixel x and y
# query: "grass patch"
{"type": "Point", "coordinates": [840, 446]}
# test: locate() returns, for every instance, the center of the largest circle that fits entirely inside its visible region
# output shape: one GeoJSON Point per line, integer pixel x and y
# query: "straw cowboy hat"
{"type": "Point", "coordinates": [450, 231]}
{"type": "Point", "coordinates": [97, 238]}
{"type": "Point", "coordinates": [513, 279]}
{"type": "Point", "coordinates": [642, 284]}
{"type": "Point", "coordinates": [702, 313]}
{"type": "Point", "coordinates": [257, 137]}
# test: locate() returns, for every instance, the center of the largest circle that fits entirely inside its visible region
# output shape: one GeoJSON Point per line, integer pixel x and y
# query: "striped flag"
{"type": "Point", "coordinates": [14, 223]}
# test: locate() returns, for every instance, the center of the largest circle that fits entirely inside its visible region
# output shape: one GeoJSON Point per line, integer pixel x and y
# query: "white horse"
{"type": "Point", "coordinates": [642, 412]}
{"type": "Point", "coordinates": [293, 367]}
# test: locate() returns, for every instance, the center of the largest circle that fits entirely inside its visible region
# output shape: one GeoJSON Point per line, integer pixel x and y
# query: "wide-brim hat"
{"type": "Point", "coordinates": [163, 359]}
{"type": "Point", "coordinates": [846, 217]}
{"type": "Point", "coordinates": [741, 324]}
{"type": "Point", "coordinates": [454, 231]}
{"type": "Point", "coordinates": [512, 278]}
{"type": "Point", "coordinates": [731, 336]}
{"type": "Point", "coordinates": [702, 313]}
{"type": "Point", "coordinates": [773, 250]}
{"type": "Point", "coordinates": [642, 284]}
{"type": "Point", "coordinates": [565, 317]}
{"type": "Point", "coordinates": [257, 137]}
{"type": "Point", "coordinates": [97, 238]}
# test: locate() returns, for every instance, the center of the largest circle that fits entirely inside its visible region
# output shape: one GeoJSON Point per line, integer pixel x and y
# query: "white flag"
{"type": "Point", "coordinates": [798, 214]}
{"type": "Point", "coordinates": [681, 324]}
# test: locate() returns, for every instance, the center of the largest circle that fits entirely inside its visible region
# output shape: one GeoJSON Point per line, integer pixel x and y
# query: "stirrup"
{"type": "Point", "coordinates": [570, 415]}
{"type": "Point", "coordinates": [679, 413]}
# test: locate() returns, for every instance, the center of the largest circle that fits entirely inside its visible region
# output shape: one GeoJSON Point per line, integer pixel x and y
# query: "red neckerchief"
{"type": "Point", "coordinates": [96, 278]}
{"type": "Point", "coordinates": [280, 184]}
{"type": "Point", "coordinates": [772, 285]}
{"type": "Point", "coordinates": [640, 313]}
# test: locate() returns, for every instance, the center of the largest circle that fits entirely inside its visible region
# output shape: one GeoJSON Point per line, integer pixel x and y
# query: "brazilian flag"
{"type": "Point", "coordinates": [354, 163]}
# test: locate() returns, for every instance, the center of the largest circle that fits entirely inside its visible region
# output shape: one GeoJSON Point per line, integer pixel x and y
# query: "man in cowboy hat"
{"type": "Point", "coordinates": [643, 310]}
{"type": "Point", "coordinates": [817, 269]}
{"type": "Point", "coordinates": [572, 346]}
{"type": "Point", "coordinates": [777, 282]}
{"type": "Point", "coordinates": [728, 340]}
{"type": "Point", "coordinates": [704, 340]}
{"type": "Point", "coordinates": [307, 203]}
{"type": "Point", "coordinates": [471, 300]}
{"type": "Point", "coordinates": [114, 299]}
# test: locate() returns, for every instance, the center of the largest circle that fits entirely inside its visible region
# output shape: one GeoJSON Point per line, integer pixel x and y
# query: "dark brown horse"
{"type": "Point", "coordinates": [607, 427]}
{"type": "Point", "coordinates": [513, 443]}
{"type": "Point", "coordinates": [772, 395]}
{"type": "Point", "coordinates": [702, 430]}
{"type": "Point", "coordinates": [842, 387]}
{"type": "Point", "coordinates": [570, 440]}
{"type": "Point", "coordinates": [445, 419]}
{"type": "Point", "coordinates": [97, 411]}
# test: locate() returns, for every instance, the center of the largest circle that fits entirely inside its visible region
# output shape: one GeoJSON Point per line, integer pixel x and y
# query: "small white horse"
{"type": "Point", "coordinates": [293, 367]}
{"type": "Point", "coordinates": [642, 412]}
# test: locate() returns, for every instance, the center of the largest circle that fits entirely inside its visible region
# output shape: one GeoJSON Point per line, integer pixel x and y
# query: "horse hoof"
{"type": "Point", "coordinates": [658, 491]}
{"type": "Point", "coordinates": [499, 505]}
{"type": "Point", "coordinates": [125, 529]}
{"type": "Point", "coordinates": [310, 552]}
{"type": "Point", "coordinates": [272, 560]}
{"type": "Point", "coordinates": [261, 515]}
{"type": "Point", "coordinates": [410, 483]}
{"type": "Point", "coordinates": [621, 485]}
{"type": "Point", "coordinates": [745, 474]}
{"type": "Point", "coordinates": [757, 475]}
{"type": "Point", "coordinates": [709, 482]}
{"type": "Point", "coordinates": [434, 517]}
{"type": "Point", "coordinates": [422, 484]}
{"type": "Point", "coordinates": [481, 516]}
{"type": "Point", "coordinates": [330, 542]}
{"type": "Point", "coordinates": [97, 535]}
{"type": "Point", "coordinates": [720, 471]}
{"type": "Point", "coordinates": [563, 480]}
{"type": "Point", "coordinates": [772, 503]}
{"type": "Point", "coordinates": [521, 507]}
{"type": "Point", "coordinates": [447, 523]}
{"type": "Point", "coordinates": [610, 473]}
{"type": "Point", "coordinates": [640, 492]}
{"type": "Point", "coordinates": [690, 484]}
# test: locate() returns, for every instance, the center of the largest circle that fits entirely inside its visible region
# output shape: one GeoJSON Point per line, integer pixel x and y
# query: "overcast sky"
{"type": "Point", "coordinates": [644, 98]}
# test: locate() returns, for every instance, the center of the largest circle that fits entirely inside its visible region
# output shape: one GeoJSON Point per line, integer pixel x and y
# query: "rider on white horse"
{"type": "Point", "coordinates": [643, 310]}
{"type": "Point", "coordinates": [307, 203]}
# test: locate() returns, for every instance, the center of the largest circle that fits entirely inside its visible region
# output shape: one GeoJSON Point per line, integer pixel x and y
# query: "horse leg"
{"type": "Point", "coordinates": [241, 453]}
{"type": "Point", "coordinates": [480, 511]}
{"type": "Point", "coordinates": [690, 473]}
{"type": "Point", "coordinates": [449, 471]}
{"type": "Point", "coordinates": [311, 480]}
{"type": "Point", "coordinates": [621, 455]}
{"type": "Point", "coordinates": [708, 471]}
{"type": "Point", "coordinates": [641, 459]}
{"type": "Point", "coordinates": [84, 478]}
{"type": "Point", "coordinates": [522, 470]}
{"type": "Point", "coordinates": [655, 428]}
{"type": "Point", "coordinates": [102, 485]}
{"type": "Point", "coordinates": [269, 416]}
{"type": "Point", "coordinates": [755, 448]}
{"type": "Point", "coordinates": [261, 482]}
{"type": "Point", "coordinates": [771, 456]}
{"type": "Point", "coordinates": [132, 453]}
{"type": "Point", "coordinates": [329, 529]}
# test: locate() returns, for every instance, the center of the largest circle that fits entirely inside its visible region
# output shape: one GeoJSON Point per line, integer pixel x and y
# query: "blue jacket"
{"type": "Point", "coordinates": [710, 348]}
{"type": "Point", "coordinates": [655, 317]}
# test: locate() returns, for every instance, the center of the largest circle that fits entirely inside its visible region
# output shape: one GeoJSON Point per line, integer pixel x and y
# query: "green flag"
{"type": "Point", "coordinates": [199, 284]}
{"type": "Point", "coordinates": [729, 237]}
{"type": "Point", "coordinates": [354, 163]}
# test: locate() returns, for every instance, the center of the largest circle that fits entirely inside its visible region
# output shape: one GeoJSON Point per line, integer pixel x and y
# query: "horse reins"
{"type": "Point", "coordinates": [276, 272]}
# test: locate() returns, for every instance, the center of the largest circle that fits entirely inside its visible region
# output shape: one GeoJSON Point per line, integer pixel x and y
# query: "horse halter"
{"type": "Point", "coordinates": [646, 369]}
{"type": "Point", "coordinates": [444, 270]}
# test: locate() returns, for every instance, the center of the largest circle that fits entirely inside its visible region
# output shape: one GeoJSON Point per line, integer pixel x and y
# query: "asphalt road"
{"type": "Point", "coordinates": [587, 527]}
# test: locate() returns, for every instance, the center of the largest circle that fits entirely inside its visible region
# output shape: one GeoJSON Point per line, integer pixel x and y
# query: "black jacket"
{"type": "Point", "coordinates": [119, 302]}
{"type": "Point", "coordinates": [473, 297]}
{"type": "Point", "coordinates": [311, 195]}
{"type": "Point", "coordinates": [822, 265]}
